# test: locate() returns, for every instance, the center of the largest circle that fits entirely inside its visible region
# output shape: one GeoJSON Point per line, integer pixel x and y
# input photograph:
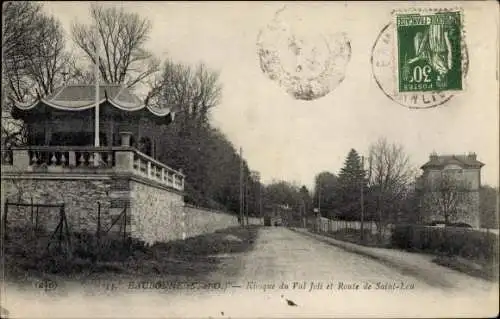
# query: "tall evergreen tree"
{"type": "Point", "coordinates": [350, 180]}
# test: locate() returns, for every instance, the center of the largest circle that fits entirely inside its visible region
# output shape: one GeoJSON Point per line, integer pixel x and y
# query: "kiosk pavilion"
{"type": "Point", "coordinates": [64, 161]}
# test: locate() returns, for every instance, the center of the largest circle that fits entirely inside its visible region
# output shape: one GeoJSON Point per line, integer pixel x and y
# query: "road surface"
{"type": "Point", "coordinates": [287, 274]}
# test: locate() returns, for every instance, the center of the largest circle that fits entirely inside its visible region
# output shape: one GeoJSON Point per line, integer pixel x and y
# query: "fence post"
{"type": "Point", "coordinates": [61, 220]}
{"type": "Point", "coordinates": [98, 235]}
{"type": "Point", "coordinates": [31, 202]}
{"type": "Point", "coordinates": [68, 236]}
{"type": "Point", "coordinates": [36, 218]}
{"type": "Point", "coordinates": [183, 223]}
{"type": "Point", "coordinates": [4, 223]}
{"type": "Point", "coordinates": [32, 229]}
{"type": "Point", "coordinates": [125, 223]}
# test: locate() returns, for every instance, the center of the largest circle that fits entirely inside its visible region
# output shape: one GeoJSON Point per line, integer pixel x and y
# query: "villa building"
{"type": "Point", "coordinates": [450, 186]}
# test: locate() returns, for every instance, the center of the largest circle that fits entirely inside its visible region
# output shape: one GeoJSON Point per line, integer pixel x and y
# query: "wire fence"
{"type": "Point", "coordinates": [366, 232]}
{"type": "Point", "coordinates": [103, 232]}
{"type": "Point", "coordinates": [43, 224]}
{"type": "Point", "coordinates": [44, 228]}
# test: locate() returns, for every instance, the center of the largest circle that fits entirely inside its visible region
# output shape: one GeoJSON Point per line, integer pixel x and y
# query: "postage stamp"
{"type": "Point", "coordinates": [420, 59]}
{"type": "Point", "coordinates": [429, 51]}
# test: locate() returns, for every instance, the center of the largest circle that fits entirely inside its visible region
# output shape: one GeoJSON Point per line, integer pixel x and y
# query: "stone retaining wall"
{"type": "Point", "coordinates": [201, 221]}
{"type": "Point", "coordinates": [79, 196]}
{"type": "Point", "coordinates": [159, 216]}
{"type": "Point", "coordinates": [155, 213]}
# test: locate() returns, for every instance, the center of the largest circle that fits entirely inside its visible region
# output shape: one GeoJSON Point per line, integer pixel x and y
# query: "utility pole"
{"type": "Point", "coordinates": [319, 200]}
{"type": "Point", "coordinates": [255, 177]}
{"type": "Point", "coordinates": [97, 97]}
{"type": "Point", "coordinates": [303, 215]}
{"type": "Point", "coordinates": [319, 208]}
{"type": "Point", "coordinates": [247, 195]}
{"type": "Point", "coordinates": [260, 201]}
{"type": "Point", "coordinates": [241, 187]}
{"type": "Point", "coordinates": [362, 198]}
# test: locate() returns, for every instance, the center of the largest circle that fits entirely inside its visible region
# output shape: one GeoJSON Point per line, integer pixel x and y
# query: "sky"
{"type": "Point", "coordinates": [288, 139]}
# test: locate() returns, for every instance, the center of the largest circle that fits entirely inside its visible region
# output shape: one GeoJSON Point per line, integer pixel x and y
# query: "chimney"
{"type": "Point", "coordinates": [433, 156]}
{"type": "Point", "coordinates": [472, 156]}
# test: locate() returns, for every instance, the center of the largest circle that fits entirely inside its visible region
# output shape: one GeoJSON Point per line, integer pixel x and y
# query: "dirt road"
{"type": "Point", "coordinates": [286, 274]}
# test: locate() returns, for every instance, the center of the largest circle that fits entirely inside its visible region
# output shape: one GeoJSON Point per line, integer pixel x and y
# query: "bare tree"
{"type": "Point", "coordinates": [49, 66]}
{"type": "Point", "coordinates": [191, 91]}
{"type": "Point", "coordinates": [35, 61]}
{"type": "Point", "coordinates": [446, 196]}
{"type": "Point", "coordinates": [79, 74]}
{"type": "Point", "coordinates": [207, 92]}
{"type": "Point", "coordinates": [121, 37]}
{"type": "Point", "coordinates": [19, 30]}
{"type": "Point", "coordinates": [174, 88]}
{"type": "Point", "coordinates": [390, 175]}
{"type": "Point", "coordinates": [18, 46]}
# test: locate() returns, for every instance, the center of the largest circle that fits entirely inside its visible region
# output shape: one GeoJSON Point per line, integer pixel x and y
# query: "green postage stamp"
{"type": "Point", "coordinates": [429, 51]}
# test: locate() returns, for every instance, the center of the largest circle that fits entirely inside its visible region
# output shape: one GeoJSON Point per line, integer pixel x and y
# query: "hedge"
{"type": "Point", "coordinates": [452, 241]}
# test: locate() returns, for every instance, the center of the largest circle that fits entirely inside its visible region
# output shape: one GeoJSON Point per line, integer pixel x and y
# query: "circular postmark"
{"type": "Point", "coordinates": [385, 64]}
{"type": "Point", "coordinates": [308, 63]}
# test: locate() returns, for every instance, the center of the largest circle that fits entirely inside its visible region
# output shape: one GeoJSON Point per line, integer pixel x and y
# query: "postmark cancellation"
{"type": "Point", "coordinates": [307, 61]}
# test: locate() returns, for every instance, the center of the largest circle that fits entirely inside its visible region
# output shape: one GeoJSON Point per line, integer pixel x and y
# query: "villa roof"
{"type": "Point", "coordinates": [441, 161]}
{"type": "Point", "coordinates": [82, 97]}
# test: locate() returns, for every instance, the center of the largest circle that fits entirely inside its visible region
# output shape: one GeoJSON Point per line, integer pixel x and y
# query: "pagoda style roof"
{"type": "Point", "coordinates": [82, 97]}
{"type": "Point", "coordinates": [440, 161]}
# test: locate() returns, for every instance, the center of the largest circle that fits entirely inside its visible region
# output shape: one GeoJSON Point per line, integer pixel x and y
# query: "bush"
{"type": "Point", "coordinates": [452, 241]}
{"type": "Point", "coordinates": [354, 236]}
{"type": "Point", "coordinates": [401, 237]}
{"type": "Point", "coordinates": [27, 249]}
{"type": "Point", "coordinates": [107, 248]}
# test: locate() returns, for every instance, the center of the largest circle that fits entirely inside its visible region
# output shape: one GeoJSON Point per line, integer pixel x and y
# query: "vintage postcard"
{"type": "Point", "coordinates": [250, 160]}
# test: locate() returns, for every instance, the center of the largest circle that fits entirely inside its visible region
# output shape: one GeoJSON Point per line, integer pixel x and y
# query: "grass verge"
{"type": "Point", "coordinates": [477, 269]}
{"type": "Point", "coordinates": [480, 269]}
{"type": "Point", "coordinates": [354, 236]}
{"type": "Point", "coordinates": [194, 258]}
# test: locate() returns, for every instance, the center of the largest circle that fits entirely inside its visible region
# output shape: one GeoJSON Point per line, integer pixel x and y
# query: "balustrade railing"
{"type": "Point", "coordinates": [67, 158]}
{"type": "Point", "coordinates": [155, 170]}
{"type": "Point", "coordinates": [71, 156]}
